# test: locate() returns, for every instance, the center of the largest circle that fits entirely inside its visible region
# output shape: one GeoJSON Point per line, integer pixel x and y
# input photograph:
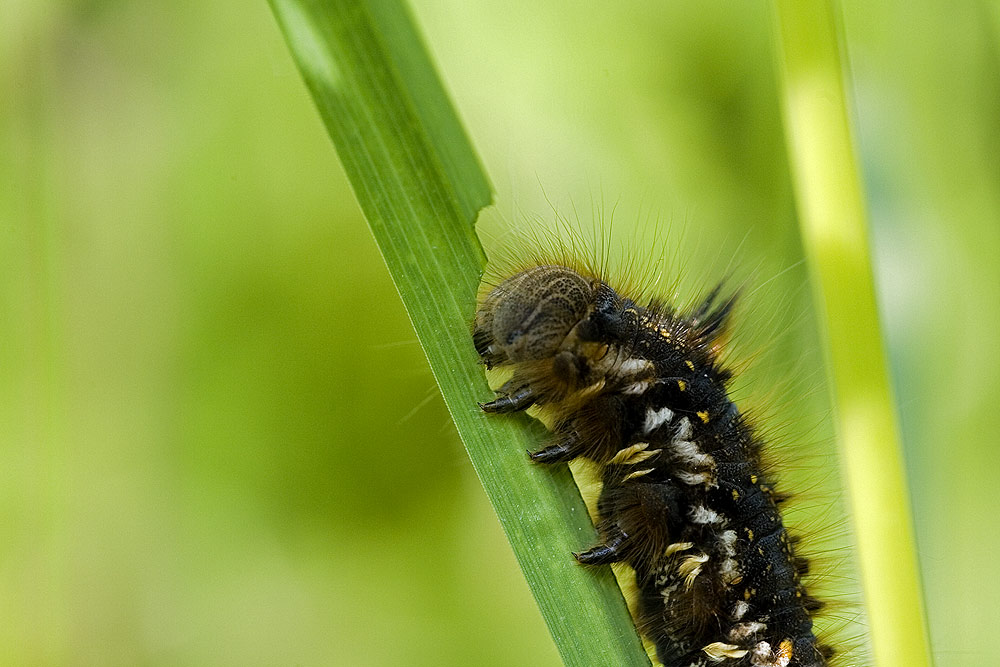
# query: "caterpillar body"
{"type": "Point", "coordinates": [686, 501]}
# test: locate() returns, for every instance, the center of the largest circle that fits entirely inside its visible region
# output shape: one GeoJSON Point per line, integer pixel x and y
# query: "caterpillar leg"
{"type": "Point", "coordinates": [603, 554]}
{"type": "Point", "coordinates": [558, 452]}
{"type": "Point", "coordinates": [519, 399]}
{"type": "Point", "coordinates": [640, 517]}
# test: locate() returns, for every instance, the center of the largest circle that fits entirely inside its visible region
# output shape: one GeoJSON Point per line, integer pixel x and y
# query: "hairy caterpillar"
{"type": "Point", "coordinates": [686, 502]}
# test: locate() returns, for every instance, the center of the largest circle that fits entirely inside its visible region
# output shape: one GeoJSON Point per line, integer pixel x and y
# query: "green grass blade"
{"type": "Point", "coordinates": [420, 186]}
{"type": "Point", "coordinates": [833, 221]}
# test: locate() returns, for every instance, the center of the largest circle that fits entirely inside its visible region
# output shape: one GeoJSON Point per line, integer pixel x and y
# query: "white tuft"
{"type": "Point", "coordinates": [728, 540]}
{"type": "Point", "coordinates": [657, 418]}
{"type": "Point", "coordinates": [683, 429]}
{"type": "Point", "coordinates": [695, 478]}
{"type": "Point", "coordinates": [763, 656]}
{"type": "Point", "coordinates": [633, 365]}
{"type": "Point", "coordinates": [691, 453]}
{"type": "Point", "coordinates": [730, 571]}
{"type": "Point", "coordinates": [743, 630]}
{"type": "Point", "coordinates": [702, 514]}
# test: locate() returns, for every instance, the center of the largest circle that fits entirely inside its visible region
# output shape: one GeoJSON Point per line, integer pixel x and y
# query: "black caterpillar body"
{"type": "Point", "coordinates": [685, 502]}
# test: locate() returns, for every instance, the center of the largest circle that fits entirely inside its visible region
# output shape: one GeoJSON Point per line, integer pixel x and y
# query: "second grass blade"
{"type": "Point", "coordinates": [833, 222]}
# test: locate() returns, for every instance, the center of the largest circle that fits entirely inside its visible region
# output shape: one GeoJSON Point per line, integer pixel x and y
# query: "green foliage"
{"type": "Point", "coordinates": [221, 443]}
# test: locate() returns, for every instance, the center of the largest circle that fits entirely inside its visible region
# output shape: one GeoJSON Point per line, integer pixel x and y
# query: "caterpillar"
{"type": "Point", "coordinates": [686, 502]}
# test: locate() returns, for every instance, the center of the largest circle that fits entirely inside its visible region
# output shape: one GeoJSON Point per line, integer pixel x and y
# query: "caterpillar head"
{"type": "Point", "coordinates": [527, 316]}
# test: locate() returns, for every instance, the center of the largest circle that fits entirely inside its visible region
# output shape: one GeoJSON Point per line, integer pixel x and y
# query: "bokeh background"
{"type": "Point", "coordinates": [219, 440]}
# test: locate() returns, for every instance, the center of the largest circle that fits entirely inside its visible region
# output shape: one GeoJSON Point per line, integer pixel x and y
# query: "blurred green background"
{"type": "Point", "coordinates": [219, 441]}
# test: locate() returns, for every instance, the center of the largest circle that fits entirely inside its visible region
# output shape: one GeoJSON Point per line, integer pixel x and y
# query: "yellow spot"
{"type": "Point", "coordinates": [736, 494]}
{"type": "Point", "coordinates": [689, 364]}
{"type": "Point", "coordinates": [750, 534]}
{"type": "Point", "coordinates": [703, 415]}
{"type": "Point", "coordinates": [717, 651]}
{"type": "Point", "coordinates": [785, 650]}
{"type": "Point", "coordinates": [753, 479]}
{"type": "Point", "coordinates": [760, 550]}
{"type": "Point", "coordinates": [748, 593]}
{"type": "Point", "coordinates": [798, 594]}
{"type": "Point", "coordinates": [682, 385]}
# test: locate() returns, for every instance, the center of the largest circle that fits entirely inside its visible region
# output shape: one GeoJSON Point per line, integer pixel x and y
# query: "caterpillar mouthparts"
{"type": "Point", "coordinates": [686, 502]}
